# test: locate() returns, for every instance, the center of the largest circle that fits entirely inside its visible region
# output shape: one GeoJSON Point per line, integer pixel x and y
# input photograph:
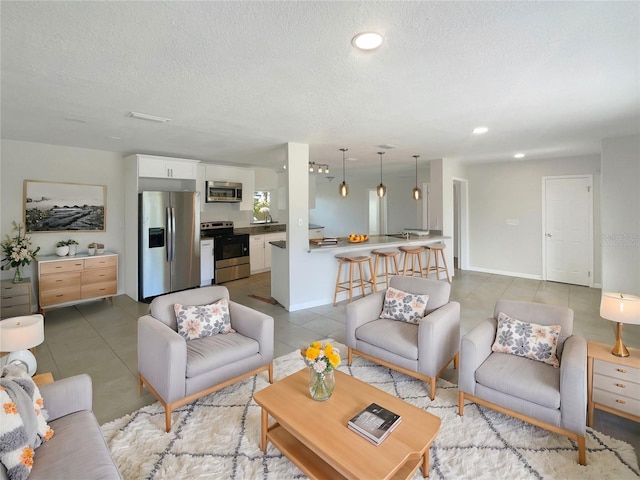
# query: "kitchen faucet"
{"type": "Point", "coordinates": [268, 218]}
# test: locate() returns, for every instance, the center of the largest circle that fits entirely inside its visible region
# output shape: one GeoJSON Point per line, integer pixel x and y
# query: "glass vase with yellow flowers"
{"type": "Point", "coordinates": [322, 360]}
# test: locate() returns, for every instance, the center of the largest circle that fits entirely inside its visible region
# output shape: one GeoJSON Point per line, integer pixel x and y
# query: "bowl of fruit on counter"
{"type": "Point", "coordinates": [357, 238]}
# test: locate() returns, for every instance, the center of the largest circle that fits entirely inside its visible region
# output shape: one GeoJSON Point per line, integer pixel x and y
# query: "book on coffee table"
{"type": "Point", "coordinates": [374, 423]}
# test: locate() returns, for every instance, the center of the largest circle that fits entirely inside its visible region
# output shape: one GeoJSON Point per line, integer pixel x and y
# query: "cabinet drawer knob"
{"type": "Point", "coordinates": [622, 402]}
{"type": "Point", "coordinates": [621, 370]}
{"type": "Point", "coordinates": [621, 385]}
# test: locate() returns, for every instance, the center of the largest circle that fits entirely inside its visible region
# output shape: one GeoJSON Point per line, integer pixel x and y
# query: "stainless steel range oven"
{"type": "Point", "coordinates": [230, 251]}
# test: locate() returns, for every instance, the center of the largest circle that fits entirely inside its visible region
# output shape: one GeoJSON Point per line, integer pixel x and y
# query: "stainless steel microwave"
{"type": "Point", "coordinates": [223, 192]}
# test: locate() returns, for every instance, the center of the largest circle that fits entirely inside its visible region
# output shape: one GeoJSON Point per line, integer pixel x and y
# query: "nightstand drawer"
{"type": "Point", "coordinates": [616, 386]}
{"type": "Point", "coordinates": [61, 266]}
{"type": "Point", "coordinates": [622, 372]}
{"type": "Point", "coordinates": [619, 402]}
{"type": "Point", "coordinates": [8, 311]}
{"type": "Point", "coordinates": [17, 300]}
{"type": "Point", "coordinates": [13, 289]}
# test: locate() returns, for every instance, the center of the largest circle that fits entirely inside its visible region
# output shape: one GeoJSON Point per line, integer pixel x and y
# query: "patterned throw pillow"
{"type": "Point", "coordinates": [403, 306]}
{"type": "Point", "coordinates": [537, 342]}
{"type": "Point", "coordinates": [23, 425]}
{"type": "Point", "coordinates": [203, 320]}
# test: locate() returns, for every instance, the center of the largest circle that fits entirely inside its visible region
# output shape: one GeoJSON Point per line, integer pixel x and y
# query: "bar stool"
{"type": "Point", "coordinates": [416, 254]}
{"type": "Point", "coordinates": [347, 285]}
{"type": "Point", "coordinates": [433, 251]}
{"type": "Point", "coordinates": [386, 255]}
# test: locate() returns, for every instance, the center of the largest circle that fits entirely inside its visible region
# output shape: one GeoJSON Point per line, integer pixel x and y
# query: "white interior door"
{"type": "Point", "coordinates": [377, 213]}
{"type": "Point", "coordinates": [568, 229]}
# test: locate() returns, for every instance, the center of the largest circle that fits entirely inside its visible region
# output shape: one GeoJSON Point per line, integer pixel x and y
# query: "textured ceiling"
{"type": "Point", "coordinates": [239, 79]}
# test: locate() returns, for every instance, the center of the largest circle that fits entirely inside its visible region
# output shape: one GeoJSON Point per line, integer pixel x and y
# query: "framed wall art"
{"type": "Point", "coordinates": [64, 207]}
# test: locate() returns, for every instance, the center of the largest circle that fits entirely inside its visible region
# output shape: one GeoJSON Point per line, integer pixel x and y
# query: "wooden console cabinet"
{"type": "Point", "coordinates": [67, 280]}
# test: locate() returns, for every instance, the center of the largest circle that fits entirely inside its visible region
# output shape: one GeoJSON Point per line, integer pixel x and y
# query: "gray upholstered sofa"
{"type": "Point", "coordinates": [422, 350]}
{"type": "Point", "coordinates": [77, 448]}
{"type": "Point", "coordinates": [178, 372]}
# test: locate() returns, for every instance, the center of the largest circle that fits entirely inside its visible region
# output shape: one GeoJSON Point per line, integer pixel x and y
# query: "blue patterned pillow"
{"type": "Point", "coordinates": [203, 320]}
{"type": "Point", "coordinates": [403, 306]}
{"type": "Point", "coordinates": [529, 340]}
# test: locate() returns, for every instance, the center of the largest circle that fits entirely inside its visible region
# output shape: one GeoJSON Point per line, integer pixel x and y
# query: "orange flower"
{"type": "Point", "coordinates": [10, 408]}
{"type": "Point", "coordinates": [26, 457]}
{"type": "Point", "coordinates": [40, 403]}
{"type": "Point", "coordinates": [49, 434]}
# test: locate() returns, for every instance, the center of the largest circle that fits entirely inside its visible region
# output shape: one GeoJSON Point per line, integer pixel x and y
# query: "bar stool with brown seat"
{"type": "Point", "coordinates": [415, 252]}
{"type": "Point", "coordinates": [347, 285]}
{"type": "Point", "coordinates": [435, 250]}
{"type": "Point", "coordinates": [386, 255]}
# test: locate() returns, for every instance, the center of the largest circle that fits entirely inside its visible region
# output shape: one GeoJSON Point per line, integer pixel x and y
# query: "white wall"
{"type": "Point", "coordinates": [36, 161]}
{"type": "Point", "coordinates": [514, 190]}
{"type": "Point", "coordinates": [620, 212]}
{"type": "Point", "coordinates": [344, 215]}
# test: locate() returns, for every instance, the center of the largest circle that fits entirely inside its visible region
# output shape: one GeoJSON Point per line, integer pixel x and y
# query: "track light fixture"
{"type": "Point", "coordinates": [343, 188]}
{"type": "Point", "coordinates": [382, 190]}
{"type": "Point", "coordinates": [417, 193]}
{"type": "Point", "coordinates": [322, 167]}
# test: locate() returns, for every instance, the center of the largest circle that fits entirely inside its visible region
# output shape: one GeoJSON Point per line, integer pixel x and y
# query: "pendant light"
{"type": "Point", "coordinates": [343, 188]}
{"type": "Point", "coordinates": [417, 193]}
{"type": "Point", "coordinates": [382, 190]}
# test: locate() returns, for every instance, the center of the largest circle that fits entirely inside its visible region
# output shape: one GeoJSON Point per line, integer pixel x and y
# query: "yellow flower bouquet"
{"type": "Point", "coordinates": [322, 360]}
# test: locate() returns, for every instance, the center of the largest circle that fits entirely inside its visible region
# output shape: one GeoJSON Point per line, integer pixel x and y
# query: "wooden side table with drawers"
{"type": "Point", "coordinates": [613, 382]}
{"type": "Point", "coordinates": [15, 298]}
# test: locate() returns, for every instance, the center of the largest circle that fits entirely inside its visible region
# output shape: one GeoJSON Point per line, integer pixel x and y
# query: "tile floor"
{"type": "Point", "coordinates": [100, 339]}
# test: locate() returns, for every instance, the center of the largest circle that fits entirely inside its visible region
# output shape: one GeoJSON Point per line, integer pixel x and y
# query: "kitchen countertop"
{"type": "Point", "coordinates": [257, 229]}
{"type": "Point", "coordinates": [375, 241]}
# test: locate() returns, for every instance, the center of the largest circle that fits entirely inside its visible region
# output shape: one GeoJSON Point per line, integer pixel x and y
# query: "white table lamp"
{"type": "Point", "coordinates": [621, 308]}
{"type": "Point", "coordinates": [17, 335]}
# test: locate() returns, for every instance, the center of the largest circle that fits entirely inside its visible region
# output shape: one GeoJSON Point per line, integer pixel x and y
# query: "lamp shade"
{"type": "Point", "coordinates": [620, 307]}
{"type": "Point", "coordinates": [21, 333]}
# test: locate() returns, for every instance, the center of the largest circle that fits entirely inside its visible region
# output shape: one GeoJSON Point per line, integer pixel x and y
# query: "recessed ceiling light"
{"type": "Point", "coordinates": [145, 116]}
{"type": "Point", "coordinates": [115, 138]}
{"type": "Point", "coordinates": [367, 40]}
{"type": "Point", "coordinates": [519, 155]}
{"type": "Point", "coordinates": [480, 130]}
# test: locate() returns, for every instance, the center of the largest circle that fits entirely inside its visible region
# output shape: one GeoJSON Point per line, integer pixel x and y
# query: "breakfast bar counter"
{"type": "Point", "coordinates": [317, 272]}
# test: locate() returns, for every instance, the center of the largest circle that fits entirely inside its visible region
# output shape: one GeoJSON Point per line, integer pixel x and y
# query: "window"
{"type": "Point", "coordinates": [261, 206]}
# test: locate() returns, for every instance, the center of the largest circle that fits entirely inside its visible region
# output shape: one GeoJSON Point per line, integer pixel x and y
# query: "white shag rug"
{"type": "Point", "coordinates": [218, 437]}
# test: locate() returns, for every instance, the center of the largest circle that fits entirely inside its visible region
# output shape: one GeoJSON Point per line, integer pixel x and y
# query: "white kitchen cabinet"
{"type": "Point", "coordinates": [316, 233]}
{"type": "Point", "coordinates": [256, 253]}
{"type": "Point", "coordinates": [271, 237]}
{"type": "Point", "coordinates": [245, 176]}
{"type": "Point", "coordinates": [166, 167]}
{"type": "Point", "coordinates": [260, 250]}
{"type": "Point", "coordinates": [206, 262]}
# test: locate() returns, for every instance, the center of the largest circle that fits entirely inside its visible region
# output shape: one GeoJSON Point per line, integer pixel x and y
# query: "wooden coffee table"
{"type": "Point", "coordinates": [315, 437]}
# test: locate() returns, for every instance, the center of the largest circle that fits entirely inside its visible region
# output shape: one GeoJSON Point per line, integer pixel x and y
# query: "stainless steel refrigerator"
{"type": "Point", "coordinates": [169, 242]}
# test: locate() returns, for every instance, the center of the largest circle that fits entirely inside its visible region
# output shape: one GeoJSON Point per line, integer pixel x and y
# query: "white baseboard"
{"type": "Point", "coordinates": [508, 274]}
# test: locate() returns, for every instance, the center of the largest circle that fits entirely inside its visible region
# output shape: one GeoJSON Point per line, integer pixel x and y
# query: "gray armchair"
{"type": "Point", "coordinates": [533, 391]}
{"type": "Point", "coordinates": [178, 372]}
{"type": "Point", "coordinates": [422, 350]}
